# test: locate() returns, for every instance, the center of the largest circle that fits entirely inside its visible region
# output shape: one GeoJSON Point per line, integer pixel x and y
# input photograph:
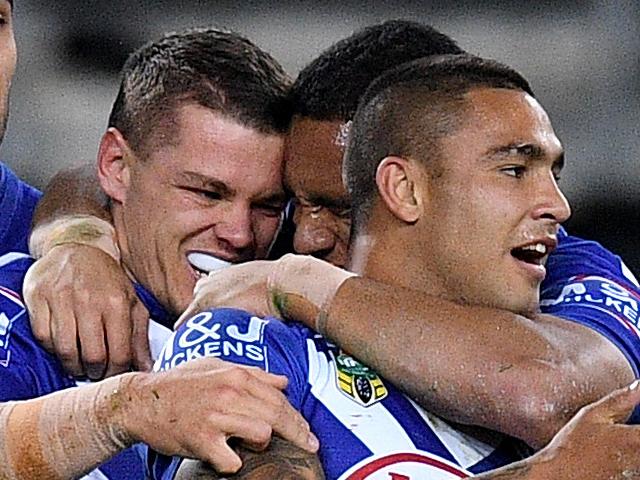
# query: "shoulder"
{"type": "Point", "coordinates": [576, 256]}
{"type": "Point", "coordinates": [236, 336]}
{"type": "Point", "coordinates": [592, 286]}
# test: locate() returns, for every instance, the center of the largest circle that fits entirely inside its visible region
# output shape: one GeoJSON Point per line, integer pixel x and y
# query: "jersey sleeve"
{"type": "Point", "coordinates": [234, 336]}
{"type": "Point", "coordinates": [592, 286]}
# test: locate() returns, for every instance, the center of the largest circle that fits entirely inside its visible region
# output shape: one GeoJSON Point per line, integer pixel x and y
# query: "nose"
{"type": "Point", "coordinates": [236, 230]}
{"type": "Point", "coordinates": [312, 235]}
{"type": "Point", "coordinates": [553, 204]}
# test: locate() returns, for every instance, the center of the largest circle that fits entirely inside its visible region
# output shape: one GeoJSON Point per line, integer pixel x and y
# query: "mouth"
{"type": "Point", "coordinates": [533, 256]}
{"type": "Point", "coordinates": [203, 263]}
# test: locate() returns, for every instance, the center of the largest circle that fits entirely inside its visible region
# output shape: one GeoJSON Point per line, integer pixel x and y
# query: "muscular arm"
{"type": "Point", "coordinates": [523, 377]}
{"type": "Point", "coordinates": [71, 192]}
{"type": "Point", "coordinates": [473, 365]}
{"type": "Point", "coordinates": [281, 460]}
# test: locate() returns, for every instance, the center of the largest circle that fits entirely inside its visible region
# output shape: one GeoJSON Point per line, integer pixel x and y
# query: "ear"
{"type": "Point", "coordinates": [396, 181]}
{"type": "Point", "coordinates": [114, 159]}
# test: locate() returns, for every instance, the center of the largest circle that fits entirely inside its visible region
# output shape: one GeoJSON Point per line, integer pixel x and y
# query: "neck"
{"type": "Point", "coordinates": [390, 255]}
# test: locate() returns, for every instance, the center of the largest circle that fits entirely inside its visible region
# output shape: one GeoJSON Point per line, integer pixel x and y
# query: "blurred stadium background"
{"type": "Point", "coordinates": [581, 58]}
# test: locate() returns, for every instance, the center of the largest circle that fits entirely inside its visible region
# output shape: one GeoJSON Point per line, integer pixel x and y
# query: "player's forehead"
{"type": "Point", "coordinates": [313, 159]}
{"type": "Point", "coordinates": [496, 119]}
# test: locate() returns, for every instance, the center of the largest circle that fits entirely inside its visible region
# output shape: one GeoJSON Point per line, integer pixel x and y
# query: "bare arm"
{"type": "Point", "coordinates": [595, 444]}
{"type": "Point", "coordinates": [523, 377]}
{"type": "Point", "coordinates": [66, 434]}
{"type": "Point", "coordinates": [472, 365]}
{"type": "Point", "coordinates": [71, 192]}
{"type": "Point", "coordinates": [281, 460]}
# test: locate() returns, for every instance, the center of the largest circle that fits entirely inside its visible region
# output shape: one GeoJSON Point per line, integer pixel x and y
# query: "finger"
{"type": "Point", "coordinates": [285, 420]}
{"type": "Point", "coordinates": [93, 351]}
{"type": "Point", "coordinates": [142, 360]}
{"type": "Point", "coordinates": [278, 381]}
{"type": "Point", "coordinates": [118, 332]}
{"type": "Point", "coordinates": [253, 432]}
{"type": "Point", "coordinates": [64, 334]}
{"type": "Point", "coordinates": [217, 453]}
{"type": "Point", "coordinates": [193, 309]}
{"type": "Point", "coordinates": [40, 318]}
{"type": "Point", "coordinates": [618, 405]}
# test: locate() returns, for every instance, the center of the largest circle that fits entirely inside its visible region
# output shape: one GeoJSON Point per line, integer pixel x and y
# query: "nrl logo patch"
{"type": "Point", "coordinates": [359, 382]}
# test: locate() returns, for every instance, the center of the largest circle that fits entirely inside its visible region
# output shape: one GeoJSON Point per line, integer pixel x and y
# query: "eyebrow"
{"type": "Point", "coordinates": [207, 182]}
{"type": "Point", "coordinates": [528, 150]}
{"type": "Point", "coordinates": [330, 202]}
{"type": "Point", "coordinates": [223, 189]}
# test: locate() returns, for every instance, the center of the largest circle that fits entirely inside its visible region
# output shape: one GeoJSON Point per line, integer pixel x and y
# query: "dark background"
{"type": "Point", "coordinates": [581, 58]}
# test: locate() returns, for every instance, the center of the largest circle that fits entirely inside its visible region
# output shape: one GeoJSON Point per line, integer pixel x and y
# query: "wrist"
{"type": "Point", "coordinates": [75, 229]}
{"type": "Point", "coordinates": [303, 287]}
{"type": "Point", "coordinates": [124, 408]}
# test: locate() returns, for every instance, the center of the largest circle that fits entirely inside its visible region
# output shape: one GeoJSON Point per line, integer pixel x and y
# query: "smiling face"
{"type": "Point", "coordinates": [217, 189]}
{"type": "Point", "coordinates": [493, 213]}
{"type": "Point", "coordinates": [313, 175]}
{"type": "Point", "coordinates": [7, 62]}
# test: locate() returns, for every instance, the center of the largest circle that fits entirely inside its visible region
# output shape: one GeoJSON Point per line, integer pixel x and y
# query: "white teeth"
{"type": "Point", "coordinates": [536, 247]}
{"type": "Point", "coordinates": [206, 263]}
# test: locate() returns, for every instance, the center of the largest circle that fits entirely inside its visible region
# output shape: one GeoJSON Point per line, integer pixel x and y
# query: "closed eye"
{"type": "Point", "coordinates": [206, 194]}
{"type": "Point", "coordinates": [270, 210]}
{"type": "Point", "coordinates": [516, 171]}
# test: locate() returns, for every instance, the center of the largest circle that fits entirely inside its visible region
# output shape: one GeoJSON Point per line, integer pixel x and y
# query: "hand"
{"type": "Point", "coordinates": [84, 310]}
{"type": "Point", "coordinates": [595, 444]}
{"type": "Point", "coordinates": [193, 410]}
{"type": "Point", "coordinates": [241, 286]}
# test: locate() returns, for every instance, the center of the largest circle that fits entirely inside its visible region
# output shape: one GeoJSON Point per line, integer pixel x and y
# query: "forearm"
{"type": "Point", "coordinates": [281, 460]}
{"type": "Point", "coordinates": [65, 434]}
{"type": "Point", "coordinates": [72, 192]}
{"type": "Point", "coordinates": [473, 365]}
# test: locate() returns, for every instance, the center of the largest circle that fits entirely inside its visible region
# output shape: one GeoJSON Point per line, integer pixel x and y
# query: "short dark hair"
{"type": "Point", "coordinates": [217, 69]}
{"type": "Point", "coordinates": [407, 110]}
{"type": "Point", "coordinates": [330, 86]}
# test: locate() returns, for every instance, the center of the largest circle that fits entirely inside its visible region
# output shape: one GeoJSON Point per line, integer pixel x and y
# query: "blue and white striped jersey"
{"type": "Point", "coordinates": [366, 427]}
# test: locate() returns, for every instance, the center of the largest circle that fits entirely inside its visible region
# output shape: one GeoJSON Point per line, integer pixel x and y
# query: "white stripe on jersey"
{"type": "Point", "coordinates": [376, 428]}
{"type": "Point", "coordinates": [629, 274]}
{"type": "Point", "coordinates": [464, 448]}
{"type": "Point", "coordinates": [95, 475]}
{"type": "Point", "coordinates": [7, 258]}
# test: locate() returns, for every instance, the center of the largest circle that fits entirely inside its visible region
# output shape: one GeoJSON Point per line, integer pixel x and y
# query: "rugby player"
{"type": "Point", "coordinates": [529, 412]}
{"type": "Point", "coordinates": [179, 86]}
{"type": "Point", "coordinates": [426, 134]}
{"type": "Point", "coordinates": [536, 370]}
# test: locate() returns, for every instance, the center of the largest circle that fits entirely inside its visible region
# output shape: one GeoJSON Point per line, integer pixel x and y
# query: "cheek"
{"type": "Point", "coordinates": [264, 229]}
{"type": "Point", "coordinates": [343, 229]}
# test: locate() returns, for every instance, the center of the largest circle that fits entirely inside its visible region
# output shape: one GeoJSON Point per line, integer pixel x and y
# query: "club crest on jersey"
{"type": "Point", "coordinates": [359, 382]}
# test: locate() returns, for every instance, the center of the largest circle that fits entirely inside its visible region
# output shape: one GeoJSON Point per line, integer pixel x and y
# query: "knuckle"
{"type": "Point", "coordinates": [82, 295]}
{"type": "Point", "coordinates": [239, 374]}
{"type": "Point", "coordinates": [67, 353]}
{"type": "Point", "coordinates": [263, 432]}
{"type": "Point", "coordinates": [117, 300]}
{"type": "Point", "coordinates": [94, 358]}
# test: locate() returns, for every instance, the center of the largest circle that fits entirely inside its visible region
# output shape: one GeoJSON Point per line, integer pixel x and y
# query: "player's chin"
{"type": "Point", "coordinates": [527, 303]}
